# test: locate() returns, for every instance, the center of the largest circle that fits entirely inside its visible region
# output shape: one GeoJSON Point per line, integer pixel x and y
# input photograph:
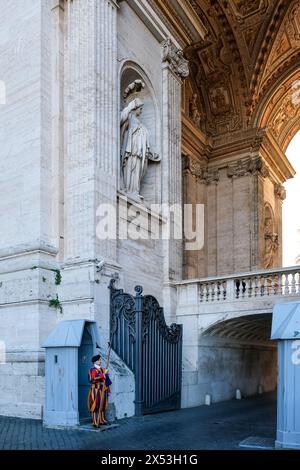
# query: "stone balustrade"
{"type": "Point", "coordinates": [280, 282]}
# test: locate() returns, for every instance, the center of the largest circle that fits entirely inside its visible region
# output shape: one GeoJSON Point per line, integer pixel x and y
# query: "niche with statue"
{"type": "Point", "coordinates": [140, 155]}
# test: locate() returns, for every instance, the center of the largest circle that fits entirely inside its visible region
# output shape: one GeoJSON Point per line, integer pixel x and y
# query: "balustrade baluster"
{"type": "Point", "coordinates": [237, 284]}
{"type": "Point", "coordinates": [286, 285]}
{"type": "Point", "coordinates": [262, 285]}
{"type": "Point", "coordinates": [207, 291]}
{"type": "Point", "coordinates": [218, 290]}
{"type": "Point", "coordinates": [250, 288]}
{"type": "Point", "coordinates": [293, 283]}
{"type": "Point", "coordinates": [243, 288]}
{"type": "Point", "coordinates": [201, 292]}
{"type": "Point", "coordinates": [213, 285]}
{"type": "Point", "coordinates": [281, 284]}
{"type": "Point", "coordinates": [224, 285]}
{"type": "Point", "coordinates": [275, 283]}
{"type": "Point", "coordinates": [256, 288]}
{"type": "Point", "coordinates": [269, 284]}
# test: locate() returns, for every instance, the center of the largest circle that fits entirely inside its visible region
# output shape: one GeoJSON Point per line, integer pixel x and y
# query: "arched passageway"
{"type": "Point", "coordinates": [238, 354]}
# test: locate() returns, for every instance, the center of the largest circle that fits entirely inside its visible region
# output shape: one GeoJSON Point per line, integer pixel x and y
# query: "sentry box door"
{"type": "Point", "coordinates": [85, 354]}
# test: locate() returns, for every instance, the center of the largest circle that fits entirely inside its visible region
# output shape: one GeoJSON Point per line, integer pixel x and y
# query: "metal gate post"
{"type": "Point", "coordinates": [138, 350]}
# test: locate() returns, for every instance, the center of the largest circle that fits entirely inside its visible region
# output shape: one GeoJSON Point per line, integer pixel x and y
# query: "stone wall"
{"type": "Point", "coordinates": [238, 191]}
{"type": "Point", "coordinates": [140, 53]}
{"type": "Point", "coordinates": [225, 366]}
{"type": "Point", "coordinates": [62, 64]}
{"type": "Point", "coordinates": [27, 252]}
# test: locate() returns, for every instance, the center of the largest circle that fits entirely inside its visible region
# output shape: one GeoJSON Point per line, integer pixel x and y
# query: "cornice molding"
{"type": "Point", "coordinates": [181, 20]}
{"type": "Point", "coordinates": [250, 144]}
{"type": "Point", "coordinates": [276, 159]}
{"type": "Point", "coordinates": [154, 20]}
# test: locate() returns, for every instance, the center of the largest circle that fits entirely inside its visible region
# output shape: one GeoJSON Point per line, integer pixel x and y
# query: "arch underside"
{"type": "Point", "coordinates": [256, 328]}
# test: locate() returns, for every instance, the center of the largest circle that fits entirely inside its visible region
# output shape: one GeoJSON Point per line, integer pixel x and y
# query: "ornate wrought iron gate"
{"type": "Point", "coordinates": [151, 349]}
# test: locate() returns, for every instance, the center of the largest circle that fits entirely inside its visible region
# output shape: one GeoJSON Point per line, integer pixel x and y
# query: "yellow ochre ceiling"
{"type": "Point", "coordinates": [244, 61]}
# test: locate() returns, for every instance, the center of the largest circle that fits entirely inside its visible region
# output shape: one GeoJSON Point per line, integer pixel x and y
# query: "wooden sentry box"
{"type": "Point", "coordinates": [69, 350]}
{"type": "Point", "coordinates": [286, 330]}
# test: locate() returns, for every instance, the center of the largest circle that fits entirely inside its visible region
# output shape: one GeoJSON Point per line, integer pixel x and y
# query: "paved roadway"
{"type": "Point", "coordinates": [219, 426]}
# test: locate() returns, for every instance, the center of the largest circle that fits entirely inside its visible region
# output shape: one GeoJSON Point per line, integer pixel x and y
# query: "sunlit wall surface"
{"type": "Point", "coordinates": [291, 208]}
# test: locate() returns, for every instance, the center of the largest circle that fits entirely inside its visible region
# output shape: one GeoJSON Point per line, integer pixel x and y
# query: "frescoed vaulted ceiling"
{"type": "Point", "coordinates": [244, 60]}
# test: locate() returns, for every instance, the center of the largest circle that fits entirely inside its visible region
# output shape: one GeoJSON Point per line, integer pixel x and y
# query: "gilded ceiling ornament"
{"type": "Point", "coordinates": [287, 111]}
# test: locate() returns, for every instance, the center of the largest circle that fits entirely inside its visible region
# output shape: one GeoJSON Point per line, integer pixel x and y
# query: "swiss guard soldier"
{"type": "Point", "coordinates": [99, 393]}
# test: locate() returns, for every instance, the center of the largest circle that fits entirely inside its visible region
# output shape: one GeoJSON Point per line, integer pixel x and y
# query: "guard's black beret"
{"type": "Point", "coordinates": [95, 358]}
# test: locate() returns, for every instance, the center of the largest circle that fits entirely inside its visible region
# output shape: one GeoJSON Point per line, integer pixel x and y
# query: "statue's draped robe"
{"type": "Point", "coordinates": [135, 146]}
{"type": "Point", "coordinates": [99, 393]}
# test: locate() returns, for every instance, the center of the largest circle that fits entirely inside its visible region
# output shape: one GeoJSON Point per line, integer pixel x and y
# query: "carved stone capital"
{"type": "Point", "coordinates": [174, 58]}
{"type": "Point", "coordinates": [200, 171]}
{"type": "Point", "coordinates": [249, 166]}
{"type": "Point", "coordinates": [280, 191]}
{"type": "Point", "coordinates": [192, 166]}
{"type": "Point", "coordinates": [210, 176]}
{"type": "Point", "coordinates": [259, 167]}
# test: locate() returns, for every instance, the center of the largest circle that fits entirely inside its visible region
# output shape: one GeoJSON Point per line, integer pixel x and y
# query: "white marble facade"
{"type": "Point", "coordinates": [67, 70]}
{"type": "Point", "coordinates": [66, 65]}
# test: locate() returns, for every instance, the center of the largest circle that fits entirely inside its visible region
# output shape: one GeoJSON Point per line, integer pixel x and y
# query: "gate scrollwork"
{"type": "Point", "coordinates": [141, 337]}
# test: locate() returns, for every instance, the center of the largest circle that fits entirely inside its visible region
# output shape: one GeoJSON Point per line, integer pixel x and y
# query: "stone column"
{"type": "Point", "coordinates": [107, 153]}
{"type": "Point", "coordinates": [91, 124]}
{"type": "Point", "coordinates": [248, 176]}
{"type": "Point", "coordinates": [191, 172]}
{"type": "Point", "coordinates": [175, 68]}
{"type": "Point", "coordinates": [257, 193]}
{"type": "Point", "coordinates": [91, 145]}
{"type": "Point", "coordinates": [280, 195]}
{"type": "Point", "coordinates": [197, 179]}
{"type": "Point", "coordinates": [27, 252]}
{"type": "Point", "coordinates": [57, 105]}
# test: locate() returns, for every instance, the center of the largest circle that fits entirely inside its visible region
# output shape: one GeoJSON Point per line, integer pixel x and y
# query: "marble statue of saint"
{"type": "Point", "coordinates": [135, 149]}
{"type": "Point", "coordinates": [271, 244]}
{"type": "Point", "coordinates": [194, 112]}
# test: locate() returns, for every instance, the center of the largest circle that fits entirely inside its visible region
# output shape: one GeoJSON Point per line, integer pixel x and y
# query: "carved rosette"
{"type": "Point", "coordinates": [175, 60]}
{"type": "Point", "coordinates": [249, 166]}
